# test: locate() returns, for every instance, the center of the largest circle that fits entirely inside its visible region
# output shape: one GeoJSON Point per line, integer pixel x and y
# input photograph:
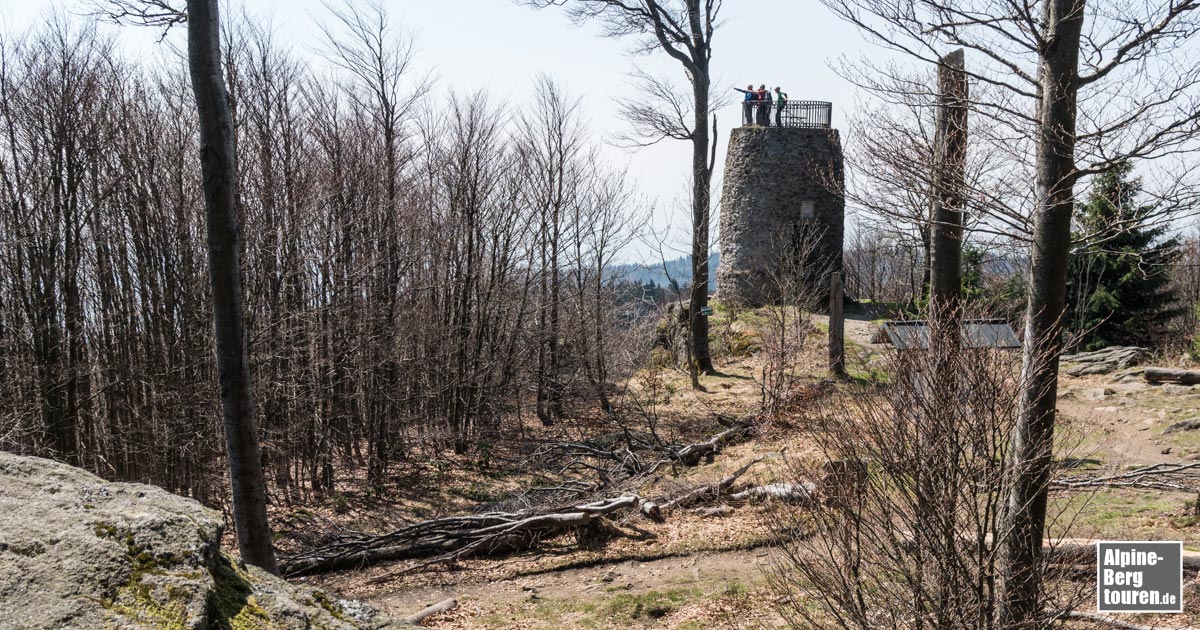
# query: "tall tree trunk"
{"type": "Point", "coordinates": [945, 285]}
{"type": "Point", "coordinates": [219, 169]}
{"type": "Point", "coordinates": [1025, 512]}
{"type": "Point", "coordinates": [945, 243]}
{"type": "Point", "coordinates": [701, 186]}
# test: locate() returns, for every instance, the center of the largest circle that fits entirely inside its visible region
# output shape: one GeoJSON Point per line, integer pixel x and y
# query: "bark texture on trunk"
{"type": "Point", "coordinates": [949, 196]}
{"type": "Point", "coordinates": [1025, 513]}
{"type": "Point", "coordinates": [219, 168]}
{"type": "Point", "coordinates": [701, 181]}
{"type": "Point", "coordinates": [837, 326]}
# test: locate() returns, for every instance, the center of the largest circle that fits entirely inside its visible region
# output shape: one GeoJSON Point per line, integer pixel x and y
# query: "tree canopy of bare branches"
{"type": "Point", "coordinates": [393, 255]}
{"type": "Point", "coordinates": [683, 30]}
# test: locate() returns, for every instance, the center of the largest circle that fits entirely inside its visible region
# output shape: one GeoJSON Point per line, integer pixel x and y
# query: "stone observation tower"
{"type": "Point", "coordinates": [782, 209]}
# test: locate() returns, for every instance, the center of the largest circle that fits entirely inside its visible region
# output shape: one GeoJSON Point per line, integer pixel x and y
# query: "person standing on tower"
{"type": "Point", "coordinates": [748, 103]}
{"type": "Point", "coordinates": [781, 99]}
{"type": "Point", "coordinates": [764, 106]}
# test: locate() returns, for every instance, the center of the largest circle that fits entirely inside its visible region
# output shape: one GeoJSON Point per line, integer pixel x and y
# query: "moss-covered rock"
{"type": "Point", "coordinates": [79, 552]}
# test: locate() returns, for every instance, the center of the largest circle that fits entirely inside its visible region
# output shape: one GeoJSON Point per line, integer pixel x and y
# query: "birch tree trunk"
{"type": "Point", "coordinates": [217, 162]}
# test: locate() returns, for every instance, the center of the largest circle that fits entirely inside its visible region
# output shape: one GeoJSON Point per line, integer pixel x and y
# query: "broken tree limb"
{"type": "Point", "coordinates": [785, 492]}
{"type": "Point", "coordinates": [1164, 476]}
{"type": "Point", "coordinates": [692, 454]}
{"type": "Point", "coordinates": [627, 454]}
{"type": "Point", "coordinates": [713, 491]}
{"type": "Point", "coordinates": [1169, 375]}
{"type": "Point", "coordinates": [429, 611]}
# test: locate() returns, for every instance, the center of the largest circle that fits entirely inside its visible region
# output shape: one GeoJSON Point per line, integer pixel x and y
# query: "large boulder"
{"type": "Point", "coordinates": [77, 551]}
{"type": "Point", "coordinates": [1104, 361]}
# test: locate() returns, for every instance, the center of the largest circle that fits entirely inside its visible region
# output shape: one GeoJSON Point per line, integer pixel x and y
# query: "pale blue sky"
{"type": "Point", "coordinates": [502, 46]}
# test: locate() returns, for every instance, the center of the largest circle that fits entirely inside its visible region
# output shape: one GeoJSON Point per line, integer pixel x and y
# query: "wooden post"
{"type": "Point", "coordinates": [837, 327]}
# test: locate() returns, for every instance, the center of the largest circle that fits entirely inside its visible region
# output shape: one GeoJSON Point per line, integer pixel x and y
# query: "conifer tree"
{"type": "Point", "coordinates": [1119, 285]}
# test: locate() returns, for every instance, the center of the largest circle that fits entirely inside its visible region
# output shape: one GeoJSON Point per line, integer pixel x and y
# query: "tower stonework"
{"type": "Point", "coordinates": [782, 185]}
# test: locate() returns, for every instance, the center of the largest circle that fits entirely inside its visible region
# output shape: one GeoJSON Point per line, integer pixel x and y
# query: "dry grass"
{"type": "Point", "coordinates": [645, 583]}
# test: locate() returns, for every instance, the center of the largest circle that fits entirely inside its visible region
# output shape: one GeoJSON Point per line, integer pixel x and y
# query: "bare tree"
{"type": "Point", "coordinates": [219, 170]}
{"type": "Point", "coordinates": [798, 273]}
{"type": "Point", "coordinates": [365, 45]}
{"type": "Point", "coordinates": [892, 156]}
{"type": "Point", "coordinates": [914, 492]}
{"type": "Point", "coordinates": [949, 194]}
{"type": "Point", "coordinates": [683, 29]}
{"type": "Point", "coordinates": [1185, 280]}
{"type": "Point", "coordinates": [1079, 102]}
{"type": "Point", "coordinates": [219, 166]}
{"type": "Point", "coordinates": [550, 148]}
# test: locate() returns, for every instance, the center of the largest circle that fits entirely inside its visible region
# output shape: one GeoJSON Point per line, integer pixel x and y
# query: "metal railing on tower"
{"type": "Point", "coordinates": [811, 114]}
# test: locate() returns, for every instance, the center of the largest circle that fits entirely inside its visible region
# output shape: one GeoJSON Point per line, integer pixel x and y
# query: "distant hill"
{"type": "Point", "coordinates": [661, 274]}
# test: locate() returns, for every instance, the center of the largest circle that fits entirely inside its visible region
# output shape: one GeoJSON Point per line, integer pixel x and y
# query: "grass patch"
{"type": "Point", "coordinates": [1127, 514]}
{"type": "Point", "coordinates": [650, 605]}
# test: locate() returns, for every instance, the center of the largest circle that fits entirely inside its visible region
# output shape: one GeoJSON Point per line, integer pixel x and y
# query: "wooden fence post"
{"type": "Point", "coordinates": [837, 327]}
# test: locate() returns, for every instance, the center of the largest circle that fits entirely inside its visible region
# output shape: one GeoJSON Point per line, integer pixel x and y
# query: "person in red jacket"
{"type": "Point", "coordinates": [764, 106]}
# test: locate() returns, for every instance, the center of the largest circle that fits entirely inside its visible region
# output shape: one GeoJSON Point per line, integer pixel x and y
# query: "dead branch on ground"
{"type": "Point", "coordinates": [1163, 476]}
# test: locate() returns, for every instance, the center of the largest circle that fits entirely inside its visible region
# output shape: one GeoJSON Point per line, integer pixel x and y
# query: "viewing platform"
{"type": "Point", "coordinates": [803, 114]}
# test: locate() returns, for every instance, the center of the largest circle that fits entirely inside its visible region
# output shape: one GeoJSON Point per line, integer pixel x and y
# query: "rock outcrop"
{"type": "Point", "coordinates": [1191, 424]}
{"type": "Point", "coordinates": [1104, 361]}
{"type": "Point", "coordinates": [77, 551]}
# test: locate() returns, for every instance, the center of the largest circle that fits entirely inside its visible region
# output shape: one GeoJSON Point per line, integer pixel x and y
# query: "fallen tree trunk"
{"type": "Point", "coordinates": [786, 492]}
{"type": "Point", "coordinates": [429, 611]}
{"type": "Point", "coordinates": [1083, 551]}
{"type": "Point", "coordinates": [692, 454]}
{"type": "Point", "coordinates": [1169, 375]}
{"type": "Point", "coordinates": [453, 538]}
{"type": "Point", "coordinates": [708, 512]}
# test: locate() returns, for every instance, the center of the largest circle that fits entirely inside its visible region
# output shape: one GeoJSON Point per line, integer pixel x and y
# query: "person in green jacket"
{"type": "Point", "coordinates": [781, 99]}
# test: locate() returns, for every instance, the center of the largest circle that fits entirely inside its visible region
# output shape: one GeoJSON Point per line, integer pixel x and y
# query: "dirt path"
{"type": "Point", "coordinates": [709, 570]}
{"type": "Point", "coordinates": [663, 593]}
{"type": "Point", "coordinates": [857, 329]}
{"type": "Point", "coordinates": [1124, 424]}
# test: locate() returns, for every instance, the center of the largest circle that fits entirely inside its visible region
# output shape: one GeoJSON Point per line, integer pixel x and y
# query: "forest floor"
{"type": "Point", "coordinates": [697, 572]}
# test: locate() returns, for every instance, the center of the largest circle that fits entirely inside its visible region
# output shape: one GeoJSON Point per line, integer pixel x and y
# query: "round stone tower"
{"type": "Point", "coordinates": [782, 212]}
